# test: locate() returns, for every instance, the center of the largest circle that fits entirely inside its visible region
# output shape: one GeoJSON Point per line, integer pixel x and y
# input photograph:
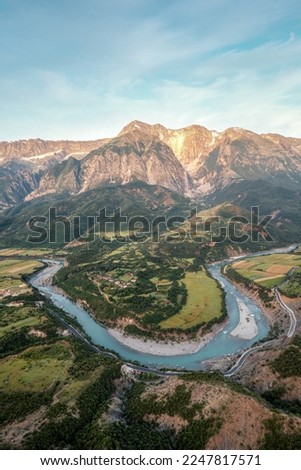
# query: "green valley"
{"type": "Point", "coordinates": [142, 291]}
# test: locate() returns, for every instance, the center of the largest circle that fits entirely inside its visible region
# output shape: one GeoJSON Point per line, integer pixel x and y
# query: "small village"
{"type": "Point", "coordinates": [117, 282]}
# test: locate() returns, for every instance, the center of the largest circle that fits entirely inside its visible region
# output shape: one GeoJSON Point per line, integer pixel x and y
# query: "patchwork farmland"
{"type": "Point", "coordinates": [268, 270]}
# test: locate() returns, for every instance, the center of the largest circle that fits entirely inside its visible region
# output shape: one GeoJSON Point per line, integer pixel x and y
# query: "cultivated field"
{"type": "Point", "coordinates": [23, 252]}
{"type": "Point", "coordinates": [16, 267]}
{"type": "Point", "coordinates": [268, 271]}
{"type": "Point", "coordinates": [203, 303]}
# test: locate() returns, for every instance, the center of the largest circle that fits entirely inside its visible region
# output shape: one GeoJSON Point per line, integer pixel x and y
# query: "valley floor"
{"type": "Point", "coordinates": [246, 329]}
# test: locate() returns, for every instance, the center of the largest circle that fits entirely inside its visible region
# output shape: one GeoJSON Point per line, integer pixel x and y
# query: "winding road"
{"type": "Point", "coordinates": [101, 352]}
{"type": "Point", "coordinates": [293, 319]}
{"type": "Point", "coordinates": [289, 334]}
{"type": "Point", "coordinates": [240, 362]}
{"type": "Point", "coordinates": [79, 336]}
{"type": "Point", "coordinates": [233, 370]}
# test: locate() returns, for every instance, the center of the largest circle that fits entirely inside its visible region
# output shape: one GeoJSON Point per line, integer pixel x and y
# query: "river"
{"type": "Point", "coordinates": [222, 344]}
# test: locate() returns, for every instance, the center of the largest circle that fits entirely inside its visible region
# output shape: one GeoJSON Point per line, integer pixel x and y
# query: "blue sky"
{"type": "Point", "coordinates": [82, 69]}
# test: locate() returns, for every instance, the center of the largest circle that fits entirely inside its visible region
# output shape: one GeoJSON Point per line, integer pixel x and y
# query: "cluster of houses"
{"type": "Point", "coordinates": [118, 282]}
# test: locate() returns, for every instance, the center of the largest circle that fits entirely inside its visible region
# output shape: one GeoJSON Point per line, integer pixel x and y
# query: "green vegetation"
{"type": "Point", "coordinates": [139, 282]}
{"type": "Point", "coordinates": [60, 379]}
{"type": "Point", "coordinates": [17, 267]}
{"type": "Point", "coordinates": [176, 404]}
{"type": "Point", "coordinates": [277, 438]}
{"type": "Point", "coordinates": [204, 302]}
{"type": "Point", "coordinates": [268, 270]}
{"type": "Point", "coordinates": [24, 252]}
{"type": "Point", "coordinates": [16, 405]}
{"type": "Point", "coordinates": [134, 199]}
{"type": "Point", "coordinates": [292, 288]}
{"type": "Point", "coordinates": [275, 398]}
{"type": "Point", "coordinates": [264, 293]}
{"type": "Point", "coordinates": [197, 429]}
{"type": "Point", "coordinates": [12, 272]}
{"type": "Point", "coordinates": [67, 430]}
{"type": "Point", "coordinates": [35, 370]}
{"type": "Point", "coordinates": [57, 392]}
{"type": "Point", "coordinates": [30, 321]}
{"type": "Point", "coordinates": [23, 326]}
{"type": "Point", "coordinates": [288, 363]}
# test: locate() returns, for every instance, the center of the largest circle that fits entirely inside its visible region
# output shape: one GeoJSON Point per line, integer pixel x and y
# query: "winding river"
{"type": "Point", "coordinates": [223, 343]}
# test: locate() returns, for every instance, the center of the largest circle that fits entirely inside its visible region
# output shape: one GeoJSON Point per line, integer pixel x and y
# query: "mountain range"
{"type": "Point", "coordinates": [202, 165]}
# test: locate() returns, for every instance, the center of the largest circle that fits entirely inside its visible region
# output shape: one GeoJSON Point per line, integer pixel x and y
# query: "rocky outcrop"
{"type": "Point", "coordinates": [215, 159]}
{"type": "Point", "coordinates": [190, 161]}
{"type": "Point", "coordinates": [59, 178]}
{"type": "Point", "coordinates": [16, 182]}
{"type": "Point", "coordinates": [133, 156]}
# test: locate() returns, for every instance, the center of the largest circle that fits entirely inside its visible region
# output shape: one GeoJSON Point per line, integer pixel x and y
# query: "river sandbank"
{"type": "Point", "coordinates": [247, 327]}
{"type": "Point", "coordinates": [160, 348]}
{"type": "Point", "coordinates": [155, 347]}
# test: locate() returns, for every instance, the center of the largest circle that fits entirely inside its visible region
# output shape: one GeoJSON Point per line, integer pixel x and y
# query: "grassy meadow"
{"type": "Point", "coordinates": [204, 302]}
{"type": "Point", "coordinates": [36, 369]}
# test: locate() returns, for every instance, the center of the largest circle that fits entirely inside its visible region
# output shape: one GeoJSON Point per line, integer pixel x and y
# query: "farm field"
{"type": "Point", "coordinates": [268, 270]}
{"type": "Point", "coordinates": [46, 378]}
{"type": "Point", "coordinates": [15, 325]}
{"type": "Point", "coordinates": [11, 271]}
{"type": "Point", "coordinates": [16, 267]}
{"type": "Point", "coordinates": [23, 252]}
{"type": "Point", "coordinates": [204, 302]}
{"type": "Point", "coordinates": [140, 283]}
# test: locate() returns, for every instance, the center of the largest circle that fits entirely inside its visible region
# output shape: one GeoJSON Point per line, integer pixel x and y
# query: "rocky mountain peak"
{"type": "Point", "coordinates": [150, 129]}
{"type": "Point", "coordinates": [189, 160]}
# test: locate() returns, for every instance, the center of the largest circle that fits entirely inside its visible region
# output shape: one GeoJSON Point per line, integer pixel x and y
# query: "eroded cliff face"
{"type": "Point", "coordinates": [131, 157]}
{"type": "Point", "coordinates": [135, 156]}
{"type": "Point", "coordinates": [16, 181]}
{"type": "Point", "coordinates": [214, 159]}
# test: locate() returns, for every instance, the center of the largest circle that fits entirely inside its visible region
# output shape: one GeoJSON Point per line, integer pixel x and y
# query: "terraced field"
{"type": "Point", "coordinates": [268, 270]}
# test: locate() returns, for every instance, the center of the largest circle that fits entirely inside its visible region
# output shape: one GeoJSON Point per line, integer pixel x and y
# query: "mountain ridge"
{"type": "Point", "coordinates": [192, 161]}
{"type": "Point", "coordinates": [39, 151]}
{"type": "Point", "coordinates": [213, 158]}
